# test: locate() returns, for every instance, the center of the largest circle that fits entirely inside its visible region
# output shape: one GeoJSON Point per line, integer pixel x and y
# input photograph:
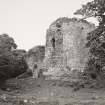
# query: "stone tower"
{"type": "Point", "coordinates": [65, 44]}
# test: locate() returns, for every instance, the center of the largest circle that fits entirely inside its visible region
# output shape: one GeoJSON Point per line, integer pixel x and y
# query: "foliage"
{"type": "Point", "coordinates": [6, 43]}
{"type": "Point", "coordinates": [12, 65]}
{"type": "Point", "coordinates": [96, 45]}
{"type": "Point", "coordinates": [12, 61]}
{"type": "Point", "coordinates": [95, 8]}
{"type": "Point", "coordinates": [95, 39]}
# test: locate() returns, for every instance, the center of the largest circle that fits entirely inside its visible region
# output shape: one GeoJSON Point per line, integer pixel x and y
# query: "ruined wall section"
{"type": "Point", "coordinates": [34, 59]}
{"type": "Point", "coordinates": [67, 50]}
{"type": "Point", "coordinates": [54, 48]}
{"type": "Point", "coordinates": [74, 41]}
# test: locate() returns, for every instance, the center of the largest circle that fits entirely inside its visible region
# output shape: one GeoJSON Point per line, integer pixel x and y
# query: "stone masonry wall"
{"type": "Point", "coordinates": [35, 58]}
{"type": "Point", "coordinates": [65, 44]}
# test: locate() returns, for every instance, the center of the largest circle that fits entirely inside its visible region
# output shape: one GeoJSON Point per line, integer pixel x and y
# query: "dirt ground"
{"type": "Point", "coordinates": [31, 91]}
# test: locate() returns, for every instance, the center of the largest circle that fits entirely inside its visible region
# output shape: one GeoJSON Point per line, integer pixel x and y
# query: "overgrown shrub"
{"type": "Point", "coordinates": [96, 45]}
{"type": "Point", "coordinates": [12, 61]}
{"type": "Point", "coordinates": [96, 39]}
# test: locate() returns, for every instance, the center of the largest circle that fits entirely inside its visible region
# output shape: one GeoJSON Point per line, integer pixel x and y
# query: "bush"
{"type": "Point", "coordinates": [96, 39]}
{"type": "Point", "coordinates": [96, 44]}
{"type": "Point", "coordinates": [12, 62]}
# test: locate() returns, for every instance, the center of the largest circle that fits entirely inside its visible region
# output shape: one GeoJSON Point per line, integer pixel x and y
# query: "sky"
{"type": "Point", "coordinates": [27, 20]}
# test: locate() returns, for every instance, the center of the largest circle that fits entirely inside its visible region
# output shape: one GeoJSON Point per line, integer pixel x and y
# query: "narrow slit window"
{"type": "Point", "coordinates": [53, 42]}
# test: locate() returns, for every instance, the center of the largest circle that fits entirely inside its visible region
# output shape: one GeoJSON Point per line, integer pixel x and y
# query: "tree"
{"type": "Point", "coordinates": [12, 62]}
{"type": "Point", "coordinates": [95, 8]}
{"type": "Point", "coordinates": [6, 43]}
{"type": "Point", "coordinates": [11, 65]}
{"type": "Point", "coordinates": [96, 38]}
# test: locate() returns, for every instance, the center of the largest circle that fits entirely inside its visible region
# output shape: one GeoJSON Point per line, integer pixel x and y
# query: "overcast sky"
{"type": "Point", "coordinates": [27, 20]}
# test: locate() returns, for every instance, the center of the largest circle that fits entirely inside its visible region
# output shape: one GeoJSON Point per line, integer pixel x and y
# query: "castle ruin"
{"type": "Point", "coordinates": [65, 47]}
{"type": "Point", "coordinates": [65, 44]}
